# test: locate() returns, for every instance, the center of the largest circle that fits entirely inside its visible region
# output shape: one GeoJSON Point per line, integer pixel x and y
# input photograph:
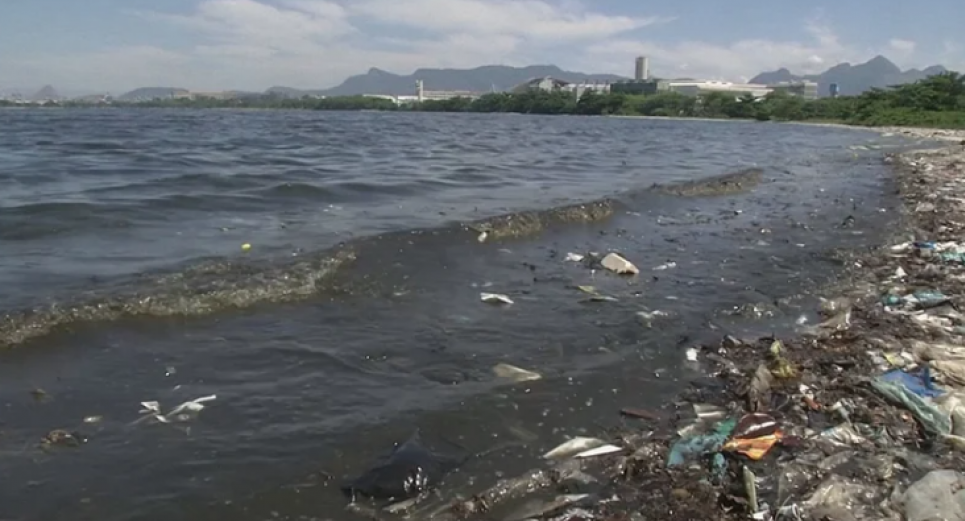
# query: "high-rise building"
{"type": "Point", "coordinates": [642, 71]}
{"type": "Point", "coordinates": [834, 90]}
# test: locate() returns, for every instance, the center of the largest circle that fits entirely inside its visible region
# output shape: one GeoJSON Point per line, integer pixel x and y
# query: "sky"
{"type": "Point", "coordinates": [117, 45]}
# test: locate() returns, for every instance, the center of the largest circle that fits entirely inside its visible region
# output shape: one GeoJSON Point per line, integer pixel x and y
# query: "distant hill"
{"type": "Point", "coordinates": [479, 79]}
{"type": "Point", "coordinates": [45, 93]}
{"type": "Point", "coordinates": [91, 98]}
{"type": "Point", "coordinates": [289, 92]}
{"type": "Point", "coordinates": [150, 93]}
{"type": "Point", "coordinates": [878, 72]}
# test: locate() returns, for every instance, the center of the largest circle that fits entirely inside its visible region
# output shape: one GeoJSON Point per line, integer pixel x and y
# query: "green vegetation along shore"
{"type": "Point", "coordinates": [937, 101]}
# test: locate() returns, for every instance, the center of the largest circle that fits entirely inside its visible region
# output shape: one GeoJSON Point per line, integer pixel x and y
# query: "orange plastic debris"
{"type": "Point", "coordinates": [755, 448]}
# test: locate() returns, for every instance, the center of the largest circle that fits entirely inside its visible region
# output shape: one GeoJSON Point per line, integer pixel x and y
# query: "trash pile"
{"type": "Point", "coordinates": [862, 417]}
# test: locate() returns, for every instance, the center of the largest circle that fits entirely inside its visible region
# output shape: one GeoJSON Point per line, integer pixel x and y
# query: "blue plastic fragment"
{"type": "Point", "coordinates": [919, 383]}
{"type": "Point", "coordinates": [930, 298]}
{"type": "Point", "coordinates": [891, 300]}
{"type": "Point", "coordinates": [696, 446]}
{"type": "Point", "coordinates": [931, 418]}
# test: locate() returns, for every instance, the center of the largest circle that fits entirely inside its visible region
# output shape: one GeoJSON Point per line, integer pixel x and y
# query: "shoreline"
{"type": "Point", "coordinates": [837, 422]}
{"type": "Point", "coordinates": [948, 133]}
{"type": "Point", "coordinates": [944, 134]}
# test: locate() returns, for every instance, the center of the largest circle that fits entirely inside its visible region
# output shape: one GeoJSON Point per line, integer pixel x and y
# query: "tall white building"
{"type": "Point", "coordinates": [642, 71]}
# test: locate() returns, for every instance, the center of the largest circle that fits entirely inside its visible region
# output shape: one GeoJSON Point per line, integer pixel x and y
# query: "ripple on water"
{"type": "Point", "coordinates": [328, 341]}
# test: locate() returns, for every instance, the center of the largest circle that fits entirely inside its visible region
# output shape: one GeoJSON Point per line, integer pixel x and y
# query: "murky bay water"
{"type": "Point", "coordinates": [355, 316]}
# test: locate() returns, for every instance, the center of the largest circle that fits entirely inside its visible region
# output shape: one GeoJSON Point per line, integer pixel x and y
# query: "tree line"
{"type": "Point", "coordinates": [936, 101]}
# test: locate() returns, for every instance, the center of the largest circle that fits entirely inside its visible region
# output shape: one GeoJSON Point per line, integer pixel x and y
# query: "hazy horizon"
{"type": "Point", "coordinates": [251, 45]}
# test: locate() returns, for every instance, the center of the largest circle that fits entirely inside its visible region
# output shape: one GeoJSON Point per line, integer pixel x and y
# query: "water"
{"type": "Point", "coordinates": [355, 316]}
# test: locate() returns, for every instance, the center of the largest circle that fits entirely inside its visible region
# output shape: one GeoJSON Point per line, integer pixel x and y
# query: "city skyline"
{"type": "Point", "coordinates": [113, 45]}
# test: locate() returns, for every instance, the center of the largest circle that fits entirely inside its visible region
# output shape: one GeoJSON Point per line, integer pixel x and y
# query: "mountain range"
{"type": "Point", "coordinates": [878, 72]}
{"type": "Point", "coordinates": [851, 79]}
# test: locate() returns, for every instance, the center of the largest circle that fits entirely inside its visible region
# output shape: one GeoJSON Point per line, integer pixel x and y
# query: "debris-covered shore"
{"type": "Point", "coordinates": [861, 417]}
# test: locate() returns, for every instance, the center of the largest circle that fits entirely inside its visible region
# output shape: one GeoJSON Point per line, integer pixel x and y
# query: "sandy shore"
{"type": "Point", "coordinates": [921, 133]}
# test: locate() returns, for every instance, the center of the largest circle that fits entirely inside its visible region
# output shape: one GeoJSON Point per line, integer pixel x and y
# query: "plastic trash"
{"type": "Point", "coordinates": [701, 444]}
{"type": "Point", "coordinates": [780, 366]}
{"type": "Point", "coordinates": [939, 495]}
{"type": "Point", "coordinates": [516, 374]}
{"type": "Point", "coordinates": [495, 298]}
{"type": "Point", "coordinates": [409, 471]}
{"type": "Point", "coordinates": [833, 306]}
{"type": "Point", "coordinates": [951, 371]}
{"type": "Point", "coordinates": [642, 414]}
{"type": "Point", "coordinates": [931, 418]}
{"type": "Point", "coordinates": [753, 448]}
{"type": "Point", "coordinates": [750, 488]}
{"type": "Point", "coordinates": [919, 383]}
{"type": "Point", "coordinates": [182, 413]}
{"type": "Point", "coordinates": [953, 404]}
{"type": "Point", "coordinates": [952, 257]}
{"type": "Point", "coordinates": [709, 412]}
{"type": "Point", "coordinates": [843, 435]}
{"type": "Point", "coordinates": [840, 498]}
{"type": "Point", "coordinates": [619, 265]}
{"type": "Point", "coordinates": [794, 480]}
{"type": "Point", "coordinates": [595, 295]}
{"type": "Point", "coordinates": [926, 351]}
{"type": "Point", "coordinates": [755, 425]}
{"type": "Point", "coordinates": [929, 299]}
{"type": "Point", "coordinates": [574, 446]}
{"type": "Point", "coordinates": [598, 451]}
{"type": "Point", "coordinates": [760, 388]}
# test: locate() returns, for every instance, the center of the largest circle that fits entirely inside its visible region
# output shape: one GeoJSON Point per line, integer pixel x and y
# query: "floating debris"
{"type": "Point", "coordinates": [62, 438]}
{"type": "Point", "coordinates": [574, 257]}
{"type": "Point", "coordinates": [619, 265]}
{"type": "Point", "coordinates": [182, 413]}
{"type": "Point", "coordinates": [574, 446]}
{"type": "Point", "coordinates": [495, 298]}
{"type": "Point", "coordinates": [516, 374]}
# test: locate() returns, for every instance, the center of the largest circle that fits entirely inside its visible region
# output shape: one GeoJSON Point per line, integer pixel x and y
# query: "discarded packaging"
{"type": "Point", "coordinates": [574, 446]}
{"type": "Point", "coordinates": [516, 374]}
{"type": "Point", "coordinates": [618, 264]}
{"type": "Point", "coordinates": [495, 298]}
{"type": "Point", "coordinates": [184, 412]}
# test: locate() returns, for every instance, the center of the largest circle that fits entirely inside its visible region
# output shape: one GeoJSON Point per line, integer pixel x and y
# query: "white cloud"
{"type": "Point", "coordinates": [534, 20]}
{"type": "Point", "coordinates": [902, 46]}
{"type": "Point", "coordinates": [316, 43]}
{"type": "Point", "coordinates": [298, 26]}
{"type": "Point", "coordinates": [252, 44]}
{"type": "Point", "coordinates": [741, 59]}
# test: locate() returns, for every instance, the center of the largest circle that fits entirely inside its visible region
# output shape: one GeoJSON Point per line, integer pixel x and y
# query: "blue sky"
{"type": "Point", "coordinates": [115, 45]}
